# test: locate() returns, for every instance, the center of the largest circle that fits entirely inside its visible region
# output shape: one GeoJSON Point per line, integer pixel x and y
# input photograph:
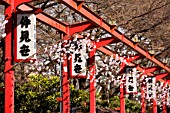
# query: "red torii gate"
{"type": "Point", "coordinates": [95, 21]}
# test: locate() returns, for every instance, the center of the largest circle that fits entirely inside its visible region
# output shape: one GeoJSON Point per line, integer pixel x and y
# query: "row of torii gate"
{"type": "Point", "coordinates": [94, 21]}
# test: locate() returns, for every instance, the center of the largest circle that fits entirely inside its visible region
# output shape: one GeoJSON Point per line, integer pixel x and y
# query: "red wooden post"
{"type": "Point", "coordinates": [143, 99]}
{"type": "Point", "coordinates": [122, 99]}
{"type": "Point", "coordinates": [164, 104]}
{"type": "Point", "coordinates": [154, 106]}
{"type": "Point", "coordinates": [164, 98]}
{"type": "Point", "coordinates": [92, 80]}
{"type": "Point", "coordinates": [65, 84]}
{"type": "Point", "coordinates": [9, 73]}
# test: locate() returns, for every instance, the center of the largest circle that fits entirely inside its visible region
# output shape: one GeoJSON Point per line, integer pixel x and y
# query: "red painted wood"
{"type": "Point", "coordinates": [151, 69]}
{"type": "Point", "coordinates": [133, 58]}
{"type": "Point", "coordinates": [19, 2]}
{"type": "Point", "coordinates": [143, 99]}
{"type": "Point", "coordinates": [66, 88]}
{"type": "Point", "coordinates": [162, 75]}
{"type": "Point", "coordinates": [122, 98]}
{"type": "Point", "coordinates": [106, 41]}
{"type": "Point", "coordinates": [92, 81]}
{"type": "Point", "coordinates": [65, 83]}
{"type": "Point", "coordinates": [164, 99]}
{"type": "Point", "coordinates": [9, 73]}
{"type": "Point", "coordinates": [79, 27]}
{"type": "Point", "coordinates": [164, 105]}
{"type": "Point", "coordinates": [154, 106]}
{"type": "Point", "coordinates": [56, 24]}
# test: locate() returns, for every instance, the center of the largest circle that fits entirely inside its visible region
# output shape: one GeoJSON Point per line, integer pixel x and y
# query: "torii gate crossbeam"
{"type": "Point", "coordinates": [87, 13]}
{"type": "Point", "coordinates": [76, 28]}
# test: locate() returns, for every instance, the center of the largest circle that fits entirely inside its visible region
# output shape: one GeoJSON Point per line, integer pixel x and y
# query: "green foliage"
{"type": "Point", "coordinates": [114, 102]}
{"type": "Point", "coordinates": [38, 95]}
{"type": "Point", "coordinates": [130, 105]}
{"type": "Point", "coordinates": [80, 98]}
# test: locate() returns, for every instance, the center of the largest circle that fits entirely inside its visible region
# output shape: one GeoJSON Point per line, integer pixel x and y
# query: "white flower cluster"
{"type": "Point", "coordinates": [2, 22]}
{"type": "Point", "coordinates": [49, 61]}
{"type": "Point", "coordinates": [2, 27]}
{"type": "Point", "coordinates": [106, 69]}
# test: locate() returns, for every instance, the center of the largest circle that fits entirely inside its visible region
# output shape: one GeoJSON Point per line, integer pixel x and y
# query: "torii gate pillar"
{"type": "Point", "coordinates": [65, 83]}
{"type": "Point", "coordinates": [154, 106]}
{"type": "Point", "coordinates": [122, 98]}
{"type": "Point", "coordinates": [143, 98]}
{"type": "Point", "coordinates": [9, 73]}
{"type": "Point", "coordinates": [66, 88]}
{"type": "Point", "coordinates": [92, 80]}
